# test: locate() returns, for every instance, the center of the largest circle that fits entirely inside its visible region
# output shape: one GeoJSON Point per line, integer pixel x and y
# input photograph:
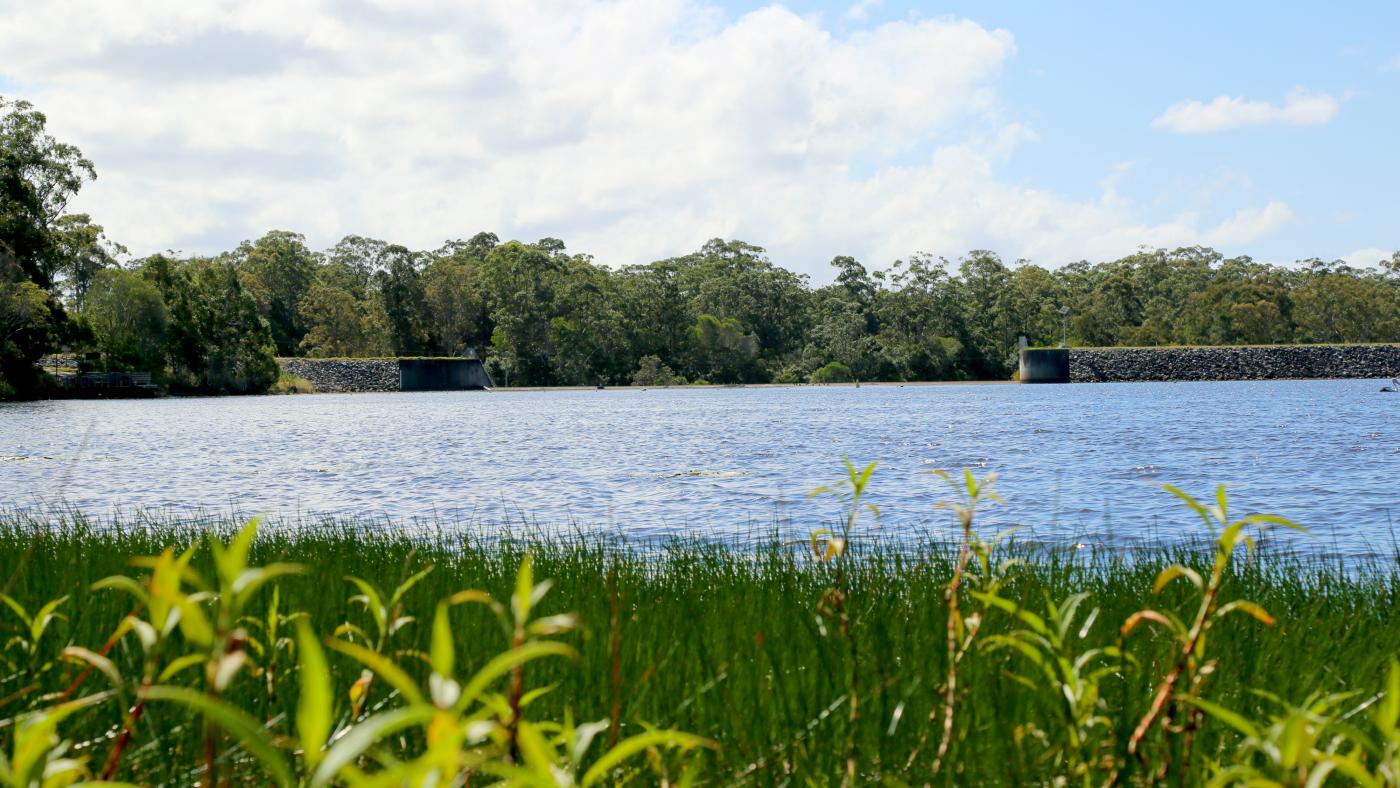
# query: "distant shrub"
{"type": "Point", "coordinates": [651, 372]}
{"type": "Point", "coordinates": [833, 372]}
{"type": "Point", "coordinates": [291, 384]}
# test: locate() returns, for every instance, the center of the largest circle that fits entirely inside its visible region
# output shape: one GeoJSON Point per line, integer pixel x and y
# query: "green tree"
{"type": "Point", "coordinates": [239, 351]}
{"type": "Point", "coordinates": [1391, 265]}
{"type": "Point", "coordinates": [84, 250]}
{"type": "Point", "coordinates": [840, 335]}
{"type": "Point", "coordinates": [520, 281]}
{"type": "Point", "coordinates": [1341, 306]}
{"type": "Point", "coordinates": [833, 372]}
{"type": "Point", "coordinates": [128, 317]}
{"type": "Point", "coordinates": [651, 372]}
{"type": "Point", "coordinates": [736, 280]}
{"type": "Point", "coordinates": [987, 331]}
{"type": "Point", "coordinates": [26, 321]}
{"type": "Point", "coordinates": [920, 316]}
{"type": "Point", "coordinates": [723, 352]}
{"type": "Point", "coordinates": [277, 271]}
{"type": "Point", "coordinates": [587, 333]}
{"type": "Point", "coordinates": [1236, 312]}
{"type": "Point", "coordinates": [656, 311]}
{"type": "Point", "coordinates": [399, 284]}
{"type": "Point", "coordinates": [38, 177]}
{"type": "Point", "coordinates": [1032, 305]}
{"type": "Point", "coordinates": [456, 302]}
{"type": "Point", "coordinates": [216, 341]}
{"type": "Point", "coordinates": [340, 324]}
{"type": "Point", "coordinates": [1112, 309]}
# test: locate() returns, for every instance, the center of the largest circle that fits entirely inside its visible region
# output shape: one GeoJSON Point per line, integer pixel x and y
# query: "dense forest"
{"type": "Point", "coordinates": [542, 315]}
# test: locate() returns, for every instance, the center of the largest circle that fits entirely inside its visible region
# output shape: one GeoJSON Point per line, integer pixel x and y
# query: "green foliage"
{"type": "Point", "coordinates": [187, 322]}
{"type": "Point", "coordinates": [651, 372]}
{"type": "Point", "coordinates": [38, 176]}
{"type": "Point", "coordinates": [728, 315]}
{"type": "Point", "coordinates": [129, 319]}
{"type": "Point", "coordinates": [291, 384]}
{"type": "Point", "coordinates": [343, 324]}
{"type": "Point", "coordinates": [1338, 306]}
{"type": "Point", "coordinates": [841, 657]}
{"type": "Point", "coordinates": [722, 352]}
{"type": "Point", "coordinates": [215, 340]}
{"type": "Point", "coordinates": [277, 271]}
{"type": "Point", "coordinates": [189, 649]}
{"type": "Point", "coordinates": [833, 372]}
{"type": "Point", "coordinates": [26, 322]}
{"type": "Point", "coordinates": [540, 315]}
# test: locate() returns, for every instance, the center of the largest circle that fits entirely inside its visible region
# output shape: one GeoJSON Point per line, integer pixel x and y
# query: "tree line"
{"type": "Point", "coordinates": [541, 315]}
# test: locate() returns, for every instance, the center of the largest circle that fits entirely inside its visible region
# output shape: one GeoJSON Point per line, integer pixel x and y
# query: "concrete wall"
{"type": "Point", "coordinates": [1044, 365]}
{"type": "Point", "coordinates": [1095, 365]}
{"type": "Point", "coordinates": [442, 374]}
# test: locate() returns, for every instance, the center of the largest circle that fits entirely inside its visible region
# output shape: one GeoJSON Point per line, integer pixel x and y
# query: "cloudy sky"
{"type": "Point", "coordinates": [637, 129]}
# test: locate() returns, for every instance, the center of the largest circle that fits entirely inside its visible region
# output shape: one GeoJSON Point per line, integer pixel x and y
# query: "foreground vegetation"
{"type": "Point", "coordinates": [356, 654]}
{"type": "Point", "coordinates": [541, 315]}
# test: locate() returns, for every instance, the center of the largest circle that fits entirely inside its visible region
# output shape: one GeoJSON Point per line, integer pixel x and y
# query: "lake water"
{"type": "Point", "coordinates": [1077, 463]}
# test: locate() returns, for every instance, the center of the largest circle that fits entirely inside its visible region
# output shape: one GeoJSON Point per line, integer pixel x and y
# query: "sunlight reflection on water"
{"type": "Point", "coordinates": [1077, 463]}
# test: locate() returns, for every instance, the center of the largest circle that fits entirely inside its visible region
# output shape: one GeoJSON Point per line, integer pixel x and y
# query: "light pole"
{"type": "Point", "coordinates": [1064, 326]}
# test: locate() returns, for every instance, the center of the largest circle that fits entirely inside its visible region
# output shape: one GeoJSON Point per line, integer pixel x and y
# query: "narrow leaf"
{"type": "Point", "coordinates": [381, 665]}
{"type": "Point", "coordinates": [314, 707]}
{"type": "Point", "coordinates": [643, 741]}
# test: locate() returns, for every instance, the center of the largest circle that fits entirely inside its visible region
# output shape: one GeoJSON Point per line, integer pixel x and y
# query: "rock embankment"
{"type": "Point", "coordinates": [345, 375]}
{"type": "Point", "coordinates": [1103, 365]}
{"type": "Point", "coordinates": [57, 362]}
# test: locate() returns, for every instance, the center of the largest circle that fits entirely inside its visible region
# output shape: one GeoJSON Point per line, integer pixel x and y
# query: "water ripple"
{"type": "Point", "coordinates": [1077, 464]}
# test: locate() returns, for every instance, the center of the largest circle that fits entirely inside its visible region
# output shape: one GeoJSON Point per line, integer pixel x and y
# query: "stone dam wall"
{"type": "Point", "coordinates": [1279, 362]}
{"type": "Point", "coordinates": [345, 375]}
{"type": "Point", "coordinates": [340, 375]}
{"type": "Point", "coordinates": [1086, 365]}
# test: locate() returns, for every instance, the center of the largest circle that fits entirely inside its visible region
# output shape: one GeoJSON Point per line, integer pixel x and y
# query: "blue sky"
{"type": "Point", "coordinates": [636, 129]}
{"type": "Point", "coordinates": [1089, 78]}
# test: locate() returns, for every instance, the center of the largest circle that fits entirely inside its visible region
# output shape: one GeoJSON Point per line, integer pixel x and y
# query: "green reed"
{"type": "Point", "coordinates": [342, 651]}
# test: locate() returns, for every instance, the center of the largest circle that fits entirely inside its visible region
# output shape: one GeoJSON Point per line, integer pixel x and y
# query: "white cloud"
{"type": "Point", "coordinates": [1250, 224]}
{"type": "Point", "coordinates": [633, 129]}
{"type": "Point", "coordinates": [1392, 65]}
{"type": "Point", "coordinates": [859, 11]}
{"type": "Point", "coordinates": [1368, 257]}
{"type": "Point", "coordinates": [1301, 107]}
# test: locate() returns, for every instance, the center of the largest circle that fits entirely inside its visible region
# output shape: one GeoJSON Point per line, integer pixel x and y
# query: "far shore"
{"type": "Point", "coordinates": [884, 384]}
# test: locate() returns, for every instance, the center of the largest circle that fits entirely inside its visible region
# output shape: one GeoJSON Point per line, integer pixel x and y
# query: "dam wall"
{"type": "Point", "coordinates": [1258, 362]}
{"type": "Point", "coordinates": [389, 374]}
{"type": "Point", "coordinates": [1044, 365]}
{"type": "Point", "coordinates": [442, 374]}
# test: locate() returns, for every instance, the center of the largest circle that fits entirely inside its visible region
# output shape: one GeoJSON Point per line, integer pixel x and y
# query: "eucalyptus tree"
{"type": "Point", "coordinates": [520, 282]}
{"type": "Point", "coordinates": [459, 315]}
{"type": "Point", "coordinates": [39, 175]}
{"type": "Point", "coordinates": [129, 319]}
{"type": "Point", "coordinates": [277, 270]}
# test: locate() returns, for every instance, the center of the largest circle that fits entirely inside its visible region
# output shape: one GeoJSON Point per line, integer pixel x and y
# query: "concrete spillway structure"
{"type": "Point", "coordinates": [443, 374]}
{"type": "Point", "coordinates": [1044, 365]}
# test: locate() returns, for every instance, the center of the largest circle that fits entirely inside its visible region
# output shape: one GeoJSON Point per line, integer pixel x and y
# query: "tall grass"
{"type": "Point", "coordinates": [829, 661]}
